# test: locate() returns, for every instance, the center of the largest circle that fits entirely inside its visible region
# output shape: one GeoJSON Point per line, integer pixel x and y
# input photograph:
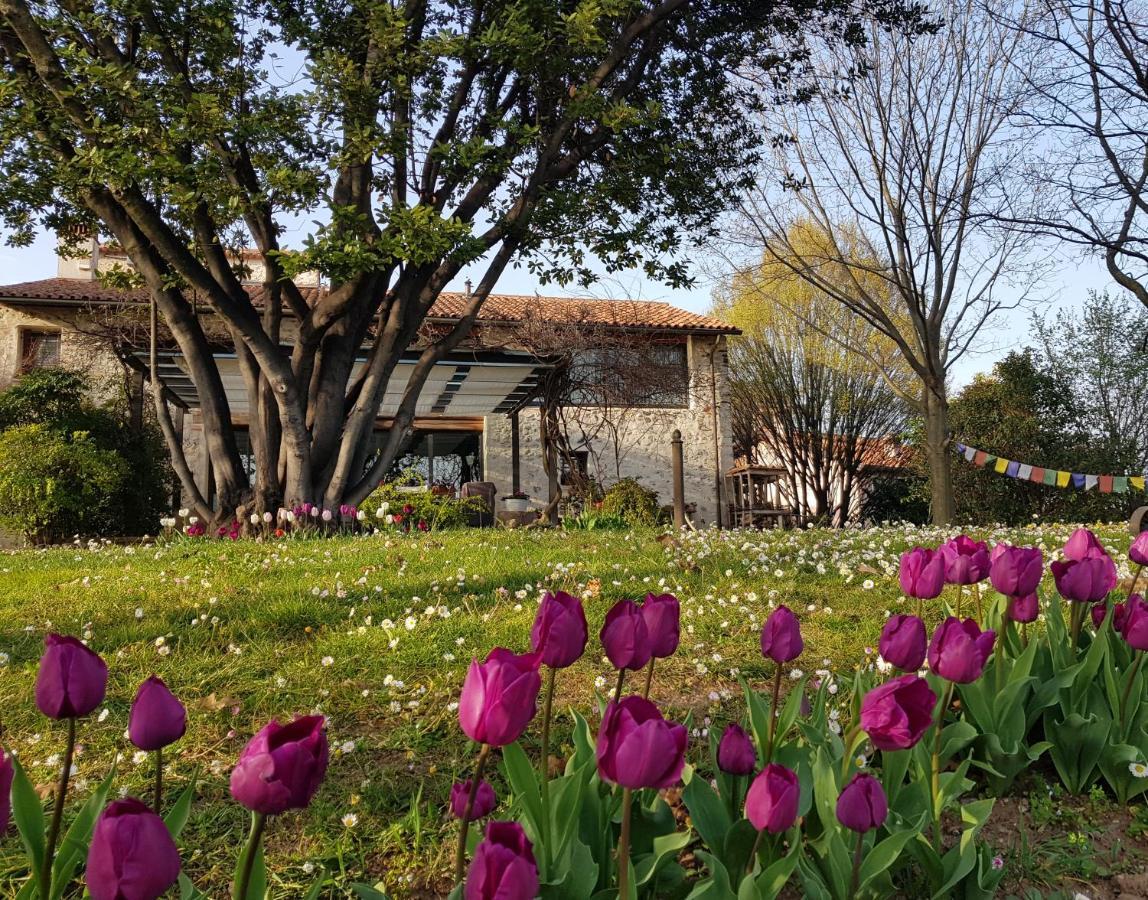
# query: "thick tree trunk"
{"type": "Point", "coordinates": [942, 503]}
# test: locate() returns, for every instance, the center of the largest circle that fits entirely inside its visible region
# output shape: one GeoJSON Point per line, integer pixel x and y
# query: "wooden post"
{"type": "Point", "coordinates": [515, 458]}
{"type": "Point", "coordinates": [679, 481]}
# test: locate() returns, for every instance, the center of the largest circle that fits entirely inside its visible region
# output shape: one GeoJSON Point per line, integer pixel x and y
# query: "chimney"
{"type": "Point", "coordinates": [467, 282]}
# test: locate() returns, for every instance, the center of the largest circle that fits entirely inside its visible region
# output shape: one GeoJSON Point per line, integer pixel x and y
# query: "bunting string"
{"type": "Point", "coordinates": [1106, 484]}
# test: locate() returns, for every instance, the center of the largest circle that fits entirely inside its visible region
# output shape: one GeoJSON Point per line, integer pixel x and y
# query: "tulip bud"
{"type": "Point", "coordinates": [1023, 609]}
{"type": "Point", "coordinates": [862, 805]}
{"type": "Point", "coordinates": [157, 717]}
{"type": "Point", "coordinates": [1138, 552]}
{"type": "Point", "coordinates": [72, 679]}
{"type": "Point", "coordinates": [637, 748]}
{"type": "Point", "coordinates": [132, 855]}
{"type": "Point", "coordinates": [503, 867]}
{"type": "Point", "coordinates": [903, 642]}
{"type": "Point", "coordinates": [1098, 612]}
{"type": "Point", "coordinates": [1016, 571]}
{"type": "Point", "coordinates": [897, 714]}
{"type": "Point", "coordinates": [771, 802]}
{"type": "Point", "coordinates": [485, 800]}
{"type": "Point", "coordinates": [781, 636]}
{"type": "Point", "coordinates": [1135, 623]}
{"type": "Point", "coordinates": [1082, 544]}
{"type": "Point", "coordinates": [499, 697]}
{"type": "Point", "coordinates": [959, 650]}
{"type": "Point", "coordinates": [7, 774]}
{"type": "Point", "coordinates": [736, 754]}
{"type": "Point", "coordinates": [922, 573]}
{"type": "Point", "coordinates": [1120, 612]}
{"type": "Point", "coordinates": [966, 561]}
{"type": "Point", "coordinates": [559, 634]}
{"type": "Point", "coordinates": [1086, 580]}
{"type": "Point", "coordinates": [662, 615]}
{"type": "Point", "coordinates": [625, 637]}
{"type": "Point", "coordinates": [281, 767]}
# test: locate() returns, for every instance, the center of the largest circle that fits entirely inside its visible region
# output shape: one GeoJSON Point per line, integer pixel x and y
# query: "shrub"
{"type": "Point", "coordinates": [71, 467]}
{"type": "Point", "coordinates": [631, 502]}
{"type": "Point", "coordinates": [54, 485]}
{"type": "Point", "coordinates": [437, 511]}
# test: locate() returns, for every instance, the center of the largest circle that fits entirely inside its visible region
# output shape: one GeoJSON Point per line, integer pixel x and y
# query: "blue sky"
{"type": "Point", "coordinates": [1072, 279]}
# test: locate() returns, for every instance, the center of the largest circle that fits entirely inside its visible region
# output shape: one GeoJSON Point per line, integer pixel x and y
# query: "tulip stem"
{"type": "Point", "coordinates": [618, 687]}
{"type": "Point", "coordinates": [624, 846]}
{"type": "Point", "coordinates": [946, 698]}
{"type": "Point", "coordinates": [1076, 619]}
{"type": "Point", "coordinates": [649, 678]}
{"type": "Point", "coordinates": [998, 654]}
{"type": "Point", "coordinates": [1135, 579]}
{"type": "Point", "coordinates": [464, 827]}
{"type": "Point", "coordinates": [544, 765]}
{"type": "Point", "coordinates": [250, 851]}
{"type": "Point", "coordinates": [980, 606]}
{"type": "Point", "coordinates": [1128, 689]}
{"type": "Point", "coordinates": [749, 863]}
{"type": "Point", "coordinates": [960, 598]}
{"type": "Point", "coordinates": [58, 813]}
{"type": "Point", "coordinates": [158, 798]}
{"type": "Point", "coordinates": [850, 740]}
{"type": "Point", "coordinates": [856, 877]}
{"type": "Point", "coordinates": [771, 732]}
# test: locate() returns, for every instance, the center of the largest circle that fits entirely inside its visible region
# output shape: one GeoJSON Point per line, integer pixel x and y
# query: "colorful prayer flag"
{"type": "Point", "coordinates": [1105, 484]}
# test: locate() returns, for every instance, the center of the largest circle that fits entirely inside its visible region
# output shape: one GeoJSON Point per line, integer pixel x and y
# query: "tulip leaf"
{"type": "Point", "coordinates": [28, 814]}
{"type": "Point", "coordinates": [884, 853]}
{"type": "Point", "coordinates": [955, 738]}
{"type": "Point", "coordinates": [1077, 744]}
{"type": "Point", "coordinates": [769, 883]}
{"type": "Point", "coordinates": [180, 811]}
{"type": "Point", "coordinates": [74, 847]}
{"type": "Point", "coordinates": [369, 892]}
{"type": "Point", "coordinates": [758, 716]}
{"type": "Point", "coordinates": [716, 886]}
{"type": "Point", "coordinates": [257, 885]}
{"type": "Point", "coordinates": [665, 849]}
{"type": "Point", "coordinates": [188, 891]}
{"type": "Point", "coordinates": [317, 887]}
{"type": "Point", "coordinates": [524, 784]}
{"type": "Point", "coordinates": [708, 814]}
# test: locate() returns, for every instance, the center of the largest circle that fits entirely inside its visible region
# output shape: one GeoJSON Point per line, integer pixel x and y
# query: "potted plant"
{"type": "Point", "coordinates": [519, 501]}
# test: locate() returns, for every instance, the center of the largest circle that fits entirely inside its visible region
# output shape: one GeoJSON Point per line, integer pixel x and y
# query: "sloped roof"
{"type": "Point", "coordinates": [498, 308]}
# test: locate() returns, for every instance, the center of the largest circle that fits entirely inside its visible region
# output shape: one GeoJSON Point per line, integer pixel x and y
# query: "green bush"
{"type": "Point", "coordinates": [631, 502]}
{"type": "Point", "coordinates": [70, 467]}
{"type": "Point", "coordinates": [437, 511]}
{"type": "Point", "coordinates": [54, 485]}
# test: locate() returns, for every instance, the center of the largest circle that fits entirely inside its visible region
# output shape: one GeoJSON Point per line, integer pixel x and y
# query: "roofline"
{"type": "Point", "coordinates": [731, 330]}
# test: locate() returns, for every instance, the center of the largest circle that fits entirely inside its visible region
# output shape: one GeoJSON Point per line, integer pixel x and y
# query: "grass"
{"type": "Point", "coordinates": [376, 633]}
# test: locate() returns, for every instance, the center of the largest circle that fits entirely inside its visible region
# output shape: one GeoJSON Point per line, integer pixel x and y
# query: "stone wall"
{"type": "Point", "coordinates": [642, 447]}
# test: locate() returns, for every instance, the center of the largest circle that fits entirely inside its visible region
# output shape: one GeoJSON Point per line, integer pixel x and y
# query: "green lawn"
{"type": "Point", "coordinates": [377, 633]}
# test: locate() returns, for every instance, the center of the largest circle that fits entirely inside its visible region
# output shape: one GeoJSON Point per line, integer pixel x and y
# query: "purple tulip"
{"type": "Point", "coordinates": [959, 650]}
{"type": "Point", "coordinates": [637, 748]}
{"type": "Point", "coordinates": [966, 561]}
{"type": "Point", "coordinates": [1135, 624]}
{"type": "Point", "coordinates": [903, 641]}
{"type": "Point", "coordinates": [1017, 571]}
{"type": "Point", "coordinates": [862, 805]}
{"type": "Point", "coordinates": [1098, 612]}
{"type": "Point", "coordinates": [1023, 609]}
{"type": "Point", "coordinates": [7, 773]}
{"type": "Point", "coordinates": [281, 767]}
{"type": "Point", "coordinates": [1086, 580]}
{"type": "Point", "coordinates": [771, 802]}
{"type": "Point", "coordinates": [484, 801]}
{"type": "Point", "coordinates": [922, 574]}
{"type": "Point", "coordinates": [1120, 612]}
{"type": "Point", "coordinates": [662, 615]}
{"type": "Point", "coordinates": [896, 714]}
{"type": "Point", "coordinates": [132, 855]}
{"type": "Point", "coordinates": [625, 637]}
{"type": "Point", "coordinates": [1082, 544]}
{"type": "Point", "coordinates": [72, 679]}
{"type": "Point", "coordinates": [503, 867]}
{"type": "Point", "coordinates": [559, 634]}
{"type": "Point", "coordinates": [1138, 552]}
{"type": "Point", "coordinates": [781, 636]}
{"type": "Point", "coordinates": [735, 753]}
{"type": "Point", "coordinates": [157, 717]}
{"type": "Point", "coordinates": [499, 697]}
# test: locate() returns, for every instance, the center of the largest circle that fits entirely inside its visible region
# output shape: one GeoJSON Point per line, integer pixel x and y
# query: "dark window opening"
{"type": "Point", "coordinates": [39, 349]}
{"type": "Point", "coordinates": [651, 375]}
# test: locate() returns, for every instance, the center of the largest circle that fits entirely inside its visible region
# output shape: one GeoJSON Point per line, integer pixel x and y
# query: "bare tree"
{"type": "Point", "coordinates": [902, 170]}
{"type": "Point", "coordinates": [1087, 68]}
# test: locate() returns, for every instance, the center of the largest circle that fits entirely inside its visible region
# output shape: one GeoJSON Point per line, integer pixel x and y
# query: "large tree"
{"type": "Point", "coordinates": [422, 136]}
{"type": "Point", "coordinates": [900, 173]}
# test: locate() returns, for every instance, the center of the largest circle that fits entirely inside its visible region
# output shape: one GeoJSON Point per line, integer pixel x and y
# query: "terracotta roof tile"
{"type": "Point", "coordinates": [498, 307]}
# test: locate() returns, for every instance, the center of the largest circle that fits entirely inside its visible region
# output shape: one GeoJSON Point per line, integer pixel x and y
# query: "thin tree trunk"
{"type": "Point", "coordinates": [942, 501]}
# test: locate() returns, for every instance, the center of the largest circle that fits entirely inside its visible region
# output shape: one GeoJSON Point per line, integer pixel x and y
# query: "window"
{"type": "Point", "coordinates": [634, 374]}
{"type": "Point", "coordinates": [39, 349]}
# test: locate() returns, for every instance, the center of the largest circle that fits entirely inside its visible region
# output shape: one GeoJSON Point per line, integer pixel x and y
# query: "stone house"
{"type": "Point", "coordinates": [479, 416]}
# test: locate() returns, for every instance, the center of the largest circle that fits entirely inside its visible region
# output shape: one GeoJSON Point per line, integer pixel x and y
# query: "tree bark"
{"type": "Point", "coordinates": [937, 440]}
